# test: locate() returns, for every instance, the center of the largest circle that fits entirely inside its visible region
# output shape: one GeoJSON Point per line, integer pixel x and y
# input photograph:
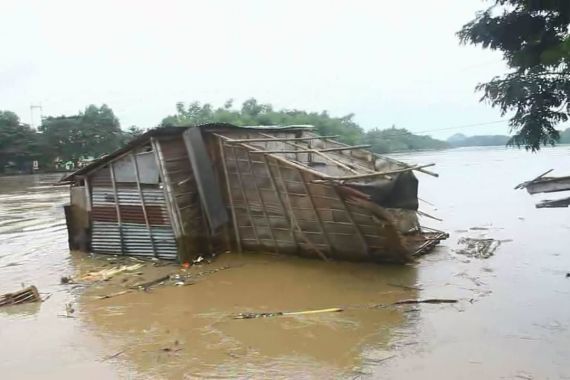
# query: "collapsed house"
{"type": "Point", "coordinates": [178, 192]}
{"type": "Point", "coordinates": [544, 184]}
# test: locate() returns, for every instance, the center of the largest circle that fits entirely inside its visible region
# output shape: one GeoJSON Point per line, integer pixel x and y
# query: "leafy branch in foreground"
{"type": "Point", "coordinates": [535, 41]}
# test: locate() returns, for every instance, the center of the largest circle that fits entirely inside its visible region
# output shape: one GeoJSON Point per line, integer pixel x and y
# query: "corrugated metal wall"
{"type": "Point", "coordinates": [130, 218]}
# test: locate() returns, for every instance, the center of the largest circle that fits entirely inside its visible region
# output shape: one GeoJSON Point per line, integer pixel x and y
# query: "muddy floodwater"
{"type": "Point", "coordinates": [511, 320]}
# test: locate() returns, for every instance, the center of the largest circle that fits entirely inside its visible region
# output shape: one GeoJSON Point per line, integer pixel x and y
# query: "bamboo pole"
{"type": "Point", "coordinates": [244, 195]}
{"type": "Point", "coordinates": [230, 196]}
{"type": "Point", "coordinates": [167, 189]}
{"type": "Point", "coordinates": [263, 206]}
{"type": "Point", "coordinates": [328, 157]}
{"type": "Point", "coordinates": [117, 208]}
{"type": "Point", "coordinates": [272, 139]}
{"type": "Point", "coordinates": [420, 169]}
{"type": "Point", "coordinates": [141, 195]}
{"type": "Point", "coordinates": [316, 151]}
{"type": "Point", "coordinates": [370, 175]}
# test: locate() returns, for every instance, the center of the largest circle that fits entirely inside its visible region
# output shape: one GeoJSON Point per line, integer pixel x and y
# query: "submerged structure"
{"type": "Point", "coordinates": [544, 184]}
{"type": "Point", "coordinates": [179, 192]}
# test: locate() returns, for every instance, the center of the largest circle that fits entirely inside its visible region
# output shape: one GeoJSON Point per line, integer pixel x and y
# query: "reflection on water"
{"type": "Point", "coordinates": [512, 320]}
{"type": "Point", "coordinates": [172, 332]}
{"type": "Point", "coordinates": [197, 317]}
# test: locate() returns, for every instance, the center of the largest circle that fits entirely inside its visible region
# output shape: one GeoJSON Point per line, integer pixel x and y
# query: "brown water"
{"type": "Point", "coordinates": [511, 320]}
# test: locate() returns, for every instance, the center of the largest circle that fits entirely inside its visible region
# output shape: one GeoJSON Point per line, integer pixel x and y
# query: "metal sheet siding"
{"type": "Point", "coordinates": [126, 232]}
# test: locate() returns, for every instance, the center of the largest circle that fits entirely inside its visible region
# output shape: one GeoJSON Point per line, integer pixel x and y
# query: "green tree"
{"type": "Point", "coordinates": [534, 37]}
{"type": "Point", "coordinates": [131, 132]}
{"type": "Point", "coordinates": [254, 113]}
{"type": "Point", "coordinates": [92, 133]}
{"type": "Point", "coordinates": [399, 140]}
{"type": "Point", "coordinates": [19, 144]}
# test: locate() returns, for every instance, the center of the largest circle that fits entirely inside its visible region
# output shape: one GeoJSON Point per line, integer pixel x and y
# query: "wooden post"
{"type": "Point", "coordinates": [230, 196]}
{"type": "Point", "coordinates": [141, 195]}
{"type": "Point", "coordinates": [117, 208]}
{"type": "Point", "coordinates": [167, 188]}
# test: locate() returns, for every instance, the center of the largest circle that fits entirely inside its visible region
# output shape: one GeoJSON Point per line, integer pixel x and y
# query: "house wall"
{"type": "Point", "coordinates": [129, 214]}
{"type": "Point", "coordinates": [278, 207]}
{"type": "Point", "coordinates": [194, 237]}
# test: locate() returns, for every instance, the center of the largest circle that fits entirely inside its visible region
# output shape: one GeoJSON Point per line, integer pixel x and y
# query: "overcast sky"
{"type": "Point", "coordinates": [389, 62]}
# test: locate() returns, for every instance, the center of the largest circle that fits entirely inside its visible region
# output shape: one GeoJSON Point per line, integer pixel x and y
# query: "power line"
{"type": "Point", "coordinates": [446, 128]}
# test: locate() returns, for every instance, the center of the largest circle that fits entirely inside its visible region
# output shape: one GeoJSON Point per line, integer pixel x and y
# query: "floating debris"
{"type": "Point", "coordinates": [285, 313]}
{"type": "Point", "coordinates": [29, 294]}
{"type": "Point", "coordinates": [254, 315]}
{"type": "Point", "coordinates": [479, 248]}
{"type": "Point", "coordinates": [428, 300]}
{"type": "Point", "coordinates": [106, 274]}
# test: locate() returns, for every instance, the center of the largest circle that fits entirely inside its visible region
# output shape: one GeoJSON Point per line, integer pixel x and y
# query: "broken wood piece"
{"type": "Point", "coordinates": [427, 300]}
{"type": "Point", "coordinates": [111, 295]}
{"type": "Point", "coordinates": [106, 274]}
{"type": "Point", "coordinates": [405, 286]}
{"type": "Point", "coordinates": [290, 313]}
{"type": "Point", "coordinates": [146, 285]}
{"type": "Point", "coordinates": [112, 356]}
{"type": "Point", "coordinates": [524, 184]}
{"type": "Point", "coordinates": [29, 294]}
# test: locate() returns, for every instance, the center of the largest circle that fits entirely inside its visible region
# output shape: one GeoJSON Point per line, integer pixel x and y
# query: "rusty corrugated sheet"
{"type": "Point", "coordinates": [118, 219]}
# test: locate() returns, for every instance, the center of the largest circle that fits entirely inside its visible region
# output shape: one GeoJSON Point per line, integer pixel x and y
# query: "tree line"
{"type": "Point", "coordinates": [69, 141]}
{"type": "Point", "coordinates": [61, 141]}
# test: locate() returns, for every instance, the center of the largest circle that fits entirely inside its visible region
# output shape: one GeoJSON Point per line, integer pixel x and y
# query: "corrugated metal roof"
{"type": "Point", "coordinates": [173, 131]}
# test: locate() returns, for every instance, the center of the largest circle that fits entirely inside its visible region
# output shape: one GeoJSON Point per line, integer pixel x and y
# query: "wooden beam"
{"type": "Point", "coordinates": [117, 208]}
{"type": "Point", "coordinates": [141, 195]}
{"type": "Point", "coordinates": [173, 211]}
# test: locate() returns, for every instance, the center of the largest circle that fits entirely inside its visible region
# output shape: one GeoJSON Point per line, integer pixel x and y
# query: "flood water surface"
{"type": "Point", "coordinates": [511, 319]}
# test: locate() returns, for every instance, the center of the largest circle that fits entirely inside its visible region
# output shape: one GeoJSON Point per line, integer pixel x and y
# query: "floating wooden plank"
{"type": "Point", "coordinates": [548, 185]}
{"type": "Point", "coordinates": [564, 202]}
{"type": "Point", "coordinates": [29, 294]}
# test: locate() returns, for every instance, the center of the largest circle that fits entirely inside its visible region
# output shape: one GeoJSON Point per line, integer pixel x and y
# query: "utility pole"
{"type": "Point", "coordinates": [32, 108]}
